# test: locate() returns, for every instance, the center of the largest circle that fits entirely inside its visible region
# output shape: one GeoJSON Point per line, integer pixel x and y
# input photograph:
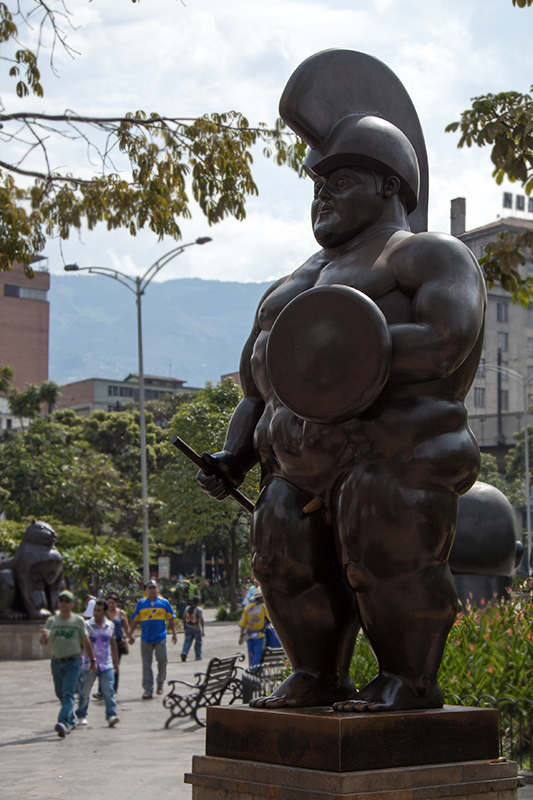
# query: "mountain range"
{"type": "Point", "coordinates": [193, 329]}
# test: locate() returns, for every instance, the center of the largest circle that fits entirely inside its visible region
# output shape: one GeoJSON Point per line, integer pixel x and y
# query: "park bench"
{"type": "Point", "coordinates": [219, 678]}
{"type": "Point", "coordinates": [264, 677]}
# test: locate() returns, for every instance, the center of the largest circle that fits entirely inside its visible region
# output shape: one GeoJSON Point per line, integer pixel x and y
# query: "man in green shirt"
{"type": "Point", "coordinates": [68, 633]}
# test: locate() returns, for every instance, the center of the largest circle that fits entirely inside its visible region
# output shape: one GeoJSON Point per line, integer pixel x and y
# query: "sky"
{"type": "Point", "coordinates": [196, 56]}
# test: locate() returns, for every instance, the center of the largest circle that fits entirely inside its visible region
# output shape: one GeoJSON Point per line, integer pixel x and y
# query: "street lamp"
{"type": "Point", "coordinates": [138, 286]}
{"type": "Point", "coordinates": [524, 382]}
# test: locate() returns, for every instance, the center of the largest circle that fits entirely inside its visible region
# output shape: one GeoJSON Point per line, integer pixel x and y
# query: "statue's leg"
{"type": "Point", "coordinates": [396, 538]}
{"type": "Point", "coordinates": [309, 602]}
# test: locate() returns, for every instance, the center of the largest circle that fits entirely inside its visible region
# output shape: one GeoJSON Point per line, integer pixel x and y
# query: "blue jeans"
{"type": "Point", "coordinates": [147, 651]}
{"type": "Point", "coordinates": [65, 675]}
{"type": "Point", "coordinates": [190, 635]}
{"type": "Point", "coordinates": [255, 649]}
{"type": "Point", "coordinates": [106, 687]}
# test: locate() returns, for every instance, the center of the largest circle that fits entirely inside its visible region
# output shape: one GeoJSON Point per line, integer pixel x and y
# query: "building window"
{"type": "Point", "coordinates": [530, 316]}
{"type": "Point", "coordinates": [504, 400]}
{"type": "Point", "coordinates": [520, 202]}
{"type": "Point", "coordinates": [530, 348]}
{"type": "Point", "coordinates": [529, 401]}
{"type": "Point", "coordinates": [503, 341]}
{"type": "Point", "coordinates": [507, 200]}
{"type": "Point", "coordinates": [529, 371]}
{"type": "Point", "coordinates": [25, 292]}
{"type": "Point", "coordinates": [112, 391]}
{"type": "Point", "coordinates": [505, 376]}
{"type": "Point", "coordinates": [502, 312]}
{"type": "Point", "coordinates": [530, 205]}
{"type": "Point", "coordinates": [479, 397]}
{"type": "Point", "coordinates": [126, 391]}
{"type": "Point", "coordinates": [9, 423]}
{"type": "Point", "coordinates": [481, 369]}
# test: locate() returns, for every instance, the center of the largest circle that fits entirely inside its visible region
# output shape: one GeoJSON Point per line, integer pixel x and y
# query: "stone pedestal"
{"type": "Point", "coordinates": [19, 641]}
{"type": "Point", "coordinates": [318, 754]}
{"type": "Point", "coordinates": [230, 779]}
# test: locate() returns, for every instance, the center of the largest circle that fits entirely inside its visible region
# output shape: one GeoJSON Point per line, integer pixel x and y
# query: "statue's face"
{"type": "Point", "coordinates": [346, 202]}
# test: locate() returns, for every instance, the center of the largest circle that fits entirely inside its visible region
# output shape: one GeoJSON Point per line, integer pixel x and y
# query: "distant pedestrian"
{"type": "Point", "coordinates": [193, 623]}
{"type": "Point", "coordinates": [122, 630]}
{"type": "Point", "coordinates": [154, 612]}
{"type": "Point", "coordinates": [68, 634]}
{"type": "Point", "coordinates": [102, 637]}
{"type": "Point", "coordinates": [254, 622]}
{"type": "Point", "coordinates": [89, 601]}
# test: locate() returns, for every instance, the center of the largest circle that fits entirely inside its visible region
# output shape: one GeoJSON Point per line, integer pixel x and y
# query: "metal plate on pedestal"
{"type": "Point", "coordinates": [329, 354]}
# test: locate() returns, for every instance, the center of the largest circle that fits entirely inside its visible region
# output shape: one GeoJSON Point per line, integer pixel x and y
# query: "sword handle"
{"type": "Point", "coordinates": [196, 459]}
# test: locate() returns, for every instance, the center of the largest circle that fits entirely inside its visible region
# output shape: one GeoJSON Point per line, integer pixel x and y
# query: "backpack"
{"type": "Point", "coordinates": [190, 616]}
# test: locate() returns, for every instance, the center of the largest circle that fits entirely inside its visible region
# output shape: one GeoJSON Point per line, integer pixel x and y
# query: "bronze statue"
{"type": "Point", "coordinates": [30, 581]}
{"type": "Point", "coordinates": [354, 378]}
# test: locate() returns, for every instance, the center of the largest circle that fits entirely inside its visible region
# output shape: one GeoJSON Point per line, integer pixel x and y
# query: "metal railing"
{"type": "Point", "coordinates": [516, 729]}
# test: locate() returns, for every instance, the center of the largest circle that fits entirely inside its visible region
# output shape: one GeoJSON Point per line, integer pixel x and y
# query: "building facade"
{"type": "Point", "coordinates": [495, 402]}
{"type": "Point", "coordinates": [24, 329]}
{"type": "Point", "coordinates": [110, 395]}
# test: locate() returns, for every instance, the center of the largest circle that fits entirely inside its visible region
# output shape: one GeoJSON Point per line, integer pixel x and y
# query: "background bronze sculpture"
{"type": "Point", "coordinates": [386, 480]}
{"type": "Point", "coordinates": [30, 581]}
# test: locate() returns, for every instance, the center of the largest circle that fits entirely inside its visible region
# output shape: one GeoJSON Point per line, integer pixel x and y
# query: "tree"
{"type": "Point", "coordinates": [165, 157]}
{"type": "Point", "coordinates": [504, 121]}
{"type": "Point", "coordinates": [98, 567]}
{"type": "Point", "coordinates": [6, 376]}
{"type": "Point", "coordinates": [188, 515]}
{"type": "Point", "coordinates": [26, 403]}
{"type": "Point", "coordinates": [50, 392]}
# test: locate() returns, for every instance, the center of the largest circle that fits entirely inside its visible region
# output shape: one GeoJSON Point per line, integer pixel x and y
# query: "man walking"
{"type": "Point", "coordinates": [154, 612]}
{"type": "Point", "coordinates": [102, 637]}
{"type": "Point", "coordinates": [68, 633]}
{"type": "Point", "coordinates": [193, 623]}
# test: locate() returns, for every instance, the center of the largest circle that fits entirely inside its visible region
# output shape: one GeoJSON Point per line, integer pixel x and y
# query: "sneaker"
{"type": "Point", "coordinates": [61, 730]}
{"type": "Point", "coordinates": [82, 721]}
{"type": "Point", "coordinates": [183, 657]}
{"type": "Point", "coordinates": [72, 727]}
{"type": "Point", "coordinates": [98, 696]}
{"type": "Point", "coordinates": [112, 721]}
{"type": "Point", "coordinates": [147, 696]}
{"type": "Point", "coordinates": [159, 690]}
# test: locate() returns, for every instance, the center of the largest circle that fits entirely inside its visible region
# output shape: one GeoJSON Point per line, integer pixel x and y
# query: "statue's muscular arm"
{"type": "Point", "coordinates": [238, 455]}
{"type": "Point", "coordinates": [448, 302]}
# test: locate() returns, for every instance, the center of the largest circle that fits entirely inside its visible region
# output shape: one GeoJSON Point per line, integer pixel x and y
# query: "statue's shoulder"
{"type": "Point", "coordinates": [427, 255]}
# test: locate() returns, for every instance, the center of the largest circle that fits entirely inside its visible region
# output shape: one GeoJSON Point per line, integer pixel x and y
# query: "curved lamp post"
{"type": "Point", "coordinates": [138, 286]}
{"type": "Point", "coordinates": [524, 382]}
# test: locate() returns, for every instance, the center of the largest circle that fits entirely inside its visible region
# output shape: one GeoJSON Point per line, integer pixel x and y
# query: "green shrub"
{"type": "Point", "coordinates": [225, 615]}
{"type": "Point", "coordinates": [489, 651]}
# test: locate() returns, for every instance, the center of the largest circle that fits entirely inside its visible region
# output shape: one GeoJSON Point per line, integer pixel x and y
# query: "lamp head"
{"type": "Point", "coordinates": [71, 268]}
{"type": "Point", "coordinates": [203, 240]}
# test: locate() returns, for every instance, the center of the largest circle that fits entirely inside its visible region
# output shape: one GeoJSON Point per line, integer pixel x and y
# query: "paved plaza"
{"type": "Point", "coordinates": [138, 758]}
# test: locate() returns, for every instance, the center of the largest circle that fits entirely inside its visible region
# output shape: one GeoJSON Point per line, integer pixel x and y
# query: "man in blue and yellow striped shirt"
{"type": "Point", "coordinates": [154, 612]}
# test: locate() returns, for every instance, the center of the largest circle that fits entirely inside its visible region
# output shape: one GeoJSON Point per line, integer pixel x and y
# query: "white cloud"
{"type": "Point", "coordinates": [237, 54]}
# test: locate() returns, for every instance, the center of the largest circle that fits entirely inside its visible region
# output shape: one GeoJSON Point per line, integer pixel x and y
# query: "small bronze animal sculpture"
{"type": "Point", "coordinates": [354, 382]}
{"type": "Point", "coordinates": [30, 581]}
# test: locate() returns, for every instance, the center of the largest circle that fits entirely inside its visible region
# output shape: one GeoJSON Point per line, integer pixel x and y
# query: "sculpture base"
{"type": "Point", "coordinates": [19, 641]}
{"type": "Point", "coordinates": [230, 779]}
{"type": "Point", "coordinates": [322, 739]}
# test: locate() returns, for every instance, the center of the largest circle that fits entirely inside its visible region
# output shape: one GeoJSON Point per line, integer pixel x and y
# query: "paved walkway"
{"type": "Point", "coordinates": [136, 759]}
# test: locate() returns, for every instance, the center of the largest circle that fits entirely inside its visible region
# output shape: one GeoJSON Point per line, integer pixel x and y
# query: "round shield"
{"type": "Point", "coordinates": [329, 353]}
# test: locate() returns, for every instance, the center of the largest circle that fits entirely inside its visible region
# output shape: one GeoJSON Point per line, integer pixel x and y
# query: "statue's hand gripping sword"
{"type": "Point", "coordinates": [202, 464]}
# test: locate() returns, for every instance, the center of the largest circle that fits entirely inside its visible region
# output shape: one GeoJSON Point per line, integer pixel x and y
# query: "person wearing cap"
{"type": "Point", "coordinates": [254, 621]}
{"type": "Point", "coordinates": [154, 612]}
{"type": "Point", "coordinates": [354, 380]}
{"type": "Point", "coordinates": [68, 634]}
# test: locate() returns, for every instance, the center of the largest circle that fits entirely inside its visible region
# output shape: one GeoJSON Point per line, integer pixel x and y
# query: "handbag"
{"type": "Point", "coordinates": [271, 638]}
{"type": "Point", "coordinates": [123, 647]}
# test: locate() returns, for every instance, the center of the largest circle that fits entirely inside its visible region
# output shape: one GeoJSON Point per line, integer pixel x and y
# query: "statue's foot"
{"type": "Point", "coordinates": [389, 693]}
{"type": "Point", "coordinates": [302, 689]}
